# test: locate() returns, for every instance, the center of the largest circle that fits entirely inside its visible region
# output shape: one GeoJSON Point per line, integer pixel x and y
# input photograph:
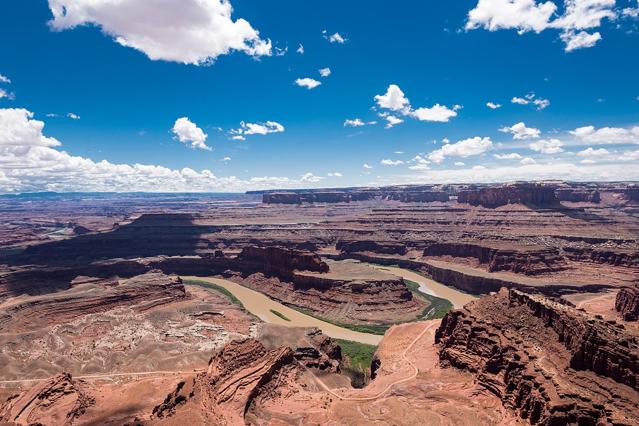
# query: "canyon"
{"type": "Point", "coordinates": [106, 297]}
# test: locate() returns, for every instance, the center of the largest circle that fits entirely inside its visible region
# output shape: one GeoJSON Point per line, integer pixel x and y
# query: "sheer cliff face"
{"type": "Point", "coordinates": [552, 363]}
{"type": "Point", "coordinates": [627, 303]}
{"type": "Point", "coordinates": [522, 193]}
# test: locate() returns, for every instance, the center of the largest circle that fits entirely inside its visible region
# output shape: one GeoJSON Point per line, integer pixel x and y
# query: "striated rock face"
{"type": "Point", "coordinates": [550, 362]}
{"type": "Point", "coordinates": [57, 401]}
{"type": "Point", "coordinates": [414, 195]}
{"type": "Point", "coordinates": [311, 197]}
{"type": "Point", "coordinates": [238, 375]}
{"type": "Point", "coordinates": [385, 247]}
{"type": "Point", "coordinates": [632, 193]}
{"type": "Point", "coordinates": [609, 257]}
{"type": "Point", "coordinates": [282, 260]}
{"type": "Point", "coordinates": [145, 291]}
{"type": "Point", "coordinates": [519, 193]}
{"type": "Point", "coordinates": [323, 353]}
{"type": "Point", "coordinates": [578, 195]}
{"type": "Point", "coordinates": [532, 261]}
{"type": "Point", "coordinates": [627, 303]}
{"type": "Point", "coordinates": [418, 196]}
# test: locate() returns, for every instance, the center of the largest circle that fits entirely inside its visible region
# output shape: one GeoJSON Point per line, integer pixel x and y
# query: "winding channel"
{"type": "Point", "coordinates": [261, 305]}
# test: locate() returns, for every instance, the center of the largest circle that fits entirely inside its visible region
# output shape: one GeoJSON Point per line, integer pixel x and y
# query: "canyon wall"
{"type": "Point", "coordinates": [551, 363]}
{"type": "Point", "coordinates": [627, 303]}
{"type": "Point", "coordinates": [520, 193]}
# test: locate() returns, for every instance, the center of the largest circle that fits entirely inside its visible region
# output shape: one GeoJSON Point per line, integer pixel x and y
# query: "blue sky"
{"type": "Point", "coordinates": [564, 75]}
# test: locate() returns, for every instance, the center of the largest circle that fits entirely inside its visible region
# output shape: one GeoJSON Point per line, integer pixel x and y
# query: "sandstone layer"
{"type": "Point", "coordinates": [551, 363]}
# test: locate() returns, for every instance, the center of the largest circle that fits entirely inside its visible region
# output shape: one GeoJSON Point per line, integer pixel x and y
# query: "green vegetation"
{"type": "Point", "coordinates": [279, 314]}
{"type": "Point", "coordinates": [219, 289]}
{"type": "Point", "coordinates": [361, 328]}
{"type": "Point", "coordinates": [437, 307]}
{"type": "Point", "coordinates": [359, 354]}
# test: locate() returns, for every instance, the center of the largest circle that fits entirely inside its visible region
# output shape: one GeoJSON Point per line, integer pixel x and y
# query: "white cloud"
{"type": "Point", "coordinates": [493, 105]}
{"type": "Point", "coordinates": [73, 116]}
{"type": "Point", "coordinates": [309, 83]}
{"type": "Point", "coordinates": [579, 40]}
{"type": "Point", "coordinates": [527, 161]}
{"type": "Point", "coordinates": [607, 135]}
{"type": "Point", "coordinates": [184, 31]}
{"type": "Point", "coordinates": [335, 174]}
{"type": "Point", "coordinates": [189, 134]}
{"type": "Point", "coordinates": [391, 120]}
{"type": "Point", "coordinates": [510, 156]}
{"type": "Point", "coordinates": [438, 113]}
{"type": "Point", "coordinates": [311, 178]}
{"type": "Point", "coordinates": [334, 38]}
{"type": "Point", "coordinates": [226, 159]}
{"type": "Point", "coordinates": [4, 79]}
{"type": "Point", "coordinates": [30, 161]}
{"type": "Point", "coordinates": [521, 132]}
{"type": "Point", "coordinates": [463, 148]}
{"type": "Point", "coordinates": [366, 166]}
{"type": "Point", "coordinates": [389, 162]}
{"type": "Point", "coordinates": [528, 15]}
{"type": "Point", "coordinates": [256, 129]}
{"type": "Point", "coordinates": [629, 156]}
{"type": "Point", "coordinates": [419, 163]}
{"type": "Point", "coordinates": [5, 94]}
{"type": "Point", "coordinates": [531, 98]}
{"type": "Point", "coordinates": [300, 49]}
{"type": "Point", "coordinates": [325, 72]}
{"type": "Point", "coordinates": [543, 146]}
{"type": "Point", "coordinates": [591, 152]}
{"type": "Point", "coordinates": [279, 51]}
{"type": "Point", "coordinates": [354, 123]}
{"type": "Point", "coordinates": [393, 99]}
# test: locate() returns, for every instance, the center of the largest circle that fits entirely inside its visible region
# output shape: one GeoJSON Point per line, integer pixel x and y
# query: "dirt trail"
{"type": "Point", "coordinates": [427, 329]}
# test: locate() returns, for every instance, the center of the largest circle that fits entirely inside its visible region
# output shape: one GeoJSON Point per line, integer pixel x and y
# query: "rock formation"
{"type": "Point", "coordinates": [632, 193]}
{"type": "Point", "coordinates": [519, 193]}
{"type": "Point", "coordinates": [528, 260]}
{"type": "Point", "coordinates": [276, 259]}
{"type": "Point", "coordinates": [550, 362]}
{"type": "Point", "coordinates": [238, 375]}
{"type": "Point", "coordinates": [383, 247]}
{"type": "Point", "coordinates": [578, 195]}
{"type": "Point", "coordinates": [404, 195]}
{"type": "Point", "coordinates": [627, 303]}
{"type": "Point", "coordinates": [57, 401]}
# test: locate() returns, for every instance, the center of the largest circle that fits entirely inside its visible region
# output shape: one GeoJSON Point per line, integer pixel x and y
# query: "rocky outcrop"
{"type": "Point", "coordinates": [627, 303]}
{"type": "Point", "coordinates": [236, 376]}
{"type": "Point", "coordinates": [323, 353]}
{"type": "Point", "coordinates": [550, 362]}
{"type": "Point", "coordinates": [91, 295]}
{"type": "Point", "coordinates": [57, 401]}
{"type": "Point", "coordinates": [528, 261]}
{"type": "Point", "coordinates": [578, 195]}
{"type": "Point", "coordinates": [520, 193]}
{"type": "Point", "coordinates": [384, 247]}
{"type": "Point", "coordinates": [632, 193]}
{"type": "Point", "coordinates": [276, 259]}
{"type": "Point", "coordinates": [626, 258]}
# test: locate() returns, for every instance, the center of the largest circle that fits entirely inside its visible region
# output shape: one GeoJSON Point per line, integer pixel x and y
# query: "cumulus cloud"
{"type": "Point", "coordinates": [325, 72]}
{"type": "Point", "coordinates": [419, 162]}
{"type": "Point", "coordinates": [309, 83]}
{"type": "Point", "coordinates": [73, 116]}
{"type": "Point", "coordinates": [527, 161]}
{"type": "Point", "coordinates": [607, 135]}
{"type": "Point", "coordinates": [366, 166]}
{"type": "Point", "coordinates": [521, 132]}
{"type": "Point", "coordinates": [438, 113]}
{"type": "Point", "coordinates": [579, 17]}
{"type": "Point", "coordinates": [464, 148]}
{"type": "Point", "coordinates": [510, 156]}
{"type": "Point", "coordinates": [190, 134]}
{"type": "Point", "coordinates": [395, 100]}
{"type": "Point", "coordinates": [31, 161]}
{"type": "Point", "coordinates": [4, 79]}
{"type": "Point", "coordinates": [591, 152]}
{"type": "Point", "coordinates": [334, 38]}
{"type": "Point", "coordinates": [389, 162]}
{"type": "Point", "coordinates": [310, 178]}
{"type": "Point", "coordinates": [335, 174]}
{"type": "Point", "coordinates": [493, 105]}
{"type": "Point", "coordinates": [531, 99]}
{"type": "Point", "coordinates": [300, 49]}
{"type": "Point", "coordinates": [247, 129]}
{"type": "Point", "coordinates": [184, 31]}
{"type": "Point", "coordinates": [5, 94]}
{"type": "Point", "coordinates": [551, 146]}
